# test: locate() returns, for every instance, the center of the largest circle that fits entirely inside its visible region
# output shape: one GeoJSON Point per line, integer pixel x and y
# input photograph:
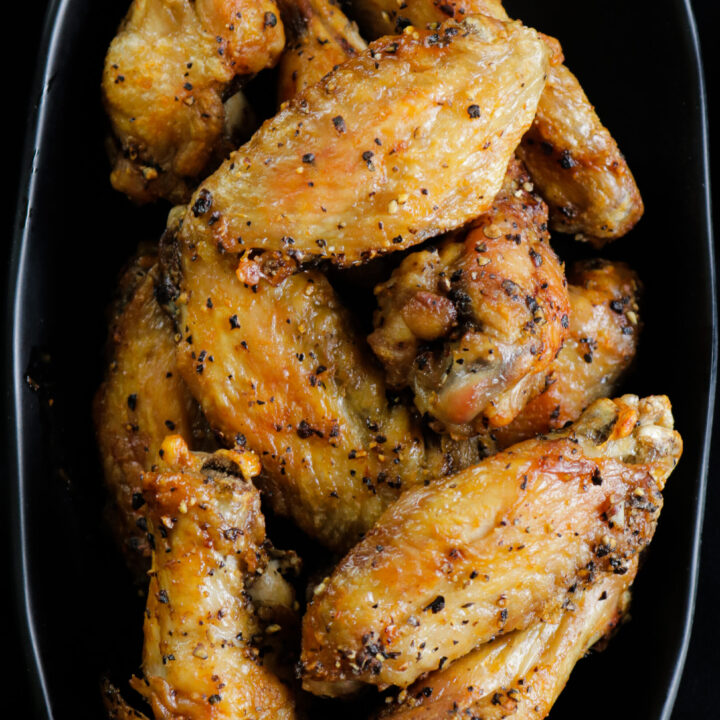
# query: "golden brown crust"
{"type": "Point", "coordinates": [573, 159]}
{"type": "Point", "coordinates": [320, 36]}
{"type": "Point", "coordinates": [601, 344]}
{"type": "Point", "coordinates": [420, 127]}
{"type": "Point", "coordinates": [519, 674]}
{"type": "Point", "coordinates": [141, 400]}
{"type": "Point", "coordinates": [472, 325]}
{"type": "Point", "coordinates": [167, 74]}
{"type": "Point", "coordinates": [200, 659]}
{"type": "Point", "coordinates": [280, 368]}
{"type": "Point", "coordinates": [492, 549]}
{"type": "Point", "coordinates": [577, 165]}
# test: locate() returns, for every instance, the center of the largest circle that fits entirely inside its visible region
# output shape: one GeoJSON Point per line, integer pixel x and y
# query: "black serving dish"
{"type": "Point", "coordinates": [77, 611]}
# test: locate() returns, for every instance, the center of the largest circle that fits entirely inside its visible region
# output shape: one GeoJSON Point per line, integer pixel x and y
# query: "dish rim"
{"type": "Point", "coordinates": [47, 61]}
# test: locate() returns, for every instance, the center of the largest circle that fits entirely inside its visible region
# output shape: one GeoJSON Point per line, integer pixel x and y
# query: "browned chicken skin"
{"type": "Point", "coordinates": [320, 37]}
{"type": "Point", "coordinates": [492, 549]}
{"type": "Point", "coordinates": [279, 367]}
{"type": "Point", "coordinates": [167, 75]}
{"type": "Point", "coordinates": [577, 165]}
{"type": "Point", "coordinates": [471, 326]}
{"type": "Point", "coordinates": [199, 656]}
{"type": "Point", "coordinates": [141, 400]}
{"type": "Point", "coordinates": [573, 159]}
{"type": "Point", "coordinates": [519, 674]}
{"type": "Point", "coordinates": [475, 594]}
{"type": "Point", "coordinates": [601, 344]}
{"type": "Point", "coordinates": [419, 129]}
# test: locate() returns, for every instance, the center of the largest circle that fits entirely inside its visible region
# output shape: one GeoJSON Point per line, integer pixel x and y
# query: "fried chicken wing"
{"type": "Point", "coordinates": [492, 549]}
{"type": "Point", "coordinates": [167, 75]}
{"type": "Point", "coordinates": [472, 325]}
{"type": "Point", "coordinates": [404, 141]}
{"type": "Point", "coordinates": [320, 37]}
{"type": "Point", "coordinates": [142, 398]}
{"type": "Point", "coordinates": [519, 674]}
{"type": "Point", "coordinates": [601, 344]}
{"type": "Point", "coordinates": [199, 654]}
{"type": "Point", "coordinates": [577, 165]}
{"type": "Point", "coordinates": [279, 367]}
{"type": "Point", "coordinates": [573, 159]}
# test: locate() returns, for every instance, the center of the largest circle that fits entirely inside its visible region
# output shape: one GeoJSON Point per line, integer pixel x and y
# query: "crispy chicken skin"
{"type": "Point", "coordinates": [420, 128]}
{"type": "Point", "coordinates": [320, 36]}
{"type": "Point", "coordinates": [573, 159]}
{"type": "Point", "coordinates": [472, 325]}
{"type": "Point", "coordinates": [601, 344]}
{"type": "Point", "coordinates": [279, 367]}
{"type": "Point", "coordinates": [142, 398]}
{"type": "Point", "coordinates": [199, 660]}
{"type": "Point", "coordinates": [167, 74]}
{"type": "Point", "coordinates": [519, 674]}
{"type": "Point", "coordinates": [577, 165]}
{"type": "Point", "coordinates": [492, 549]}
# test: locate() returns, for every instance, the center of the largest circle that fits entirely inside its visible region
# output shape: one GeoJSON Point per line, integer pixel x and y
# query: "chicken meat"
{"type": "Point", "coordinates": [420, 128]}
{"type": "Point", "coordinates": [600, 346]}
{"type": "Point", "coordinates": [169, 87]}
{"type": "Point", "coordinates": [278, 367]}
{"type": "Point", "coordinates": [495, 548]}
{"type": "Point", "coordinates": [472, 325]}
{"type": "Point", "coordinates": [575, 162]}
{"type": "Point", "coordinates": [519, 674]}
{"type": "Point", "coordinates": [141, 400]}
{"type": "Point", "coordinates": [200, 654]}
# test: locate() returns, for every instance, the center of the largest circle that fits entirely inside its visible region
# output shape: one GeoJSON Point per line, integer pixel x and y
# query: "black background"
{"type": "Point", "coordinates": [699, 694]}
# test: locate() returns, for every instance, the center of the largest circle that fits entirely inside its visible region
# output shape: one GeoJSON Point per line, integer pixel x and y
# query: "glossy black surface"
{"type": "Point", "coordinates": [641, 74]}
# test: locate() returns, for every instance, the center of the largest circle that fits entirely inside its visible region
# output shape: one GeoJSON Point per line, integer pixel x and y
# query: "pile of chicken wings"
{"type": "Point", "coordinates": [469, 503]}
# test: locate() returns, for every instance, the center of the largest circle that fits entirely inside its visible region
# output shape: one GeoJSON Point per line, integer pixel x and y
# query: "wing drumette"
{"type": "Point", "coordinates": [200, 658]}
{"type": "Point", "coordinates": [492, 549]}
{"type": "Point", "coordinates": [471, 326]}
{"type": "Point", "coordinates": [167, 75]}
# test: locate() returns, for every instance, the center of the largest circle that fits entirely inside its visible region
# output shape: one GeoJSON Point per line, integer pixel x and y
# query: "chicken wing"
{"type": "Point", "coordinates": [419, 128]}
{"type": "Point", "coordinates": [573, 159]}
{"type": "Point", "coordinates": [577, 165]}
{"type": "Point", "coordinates": [199, 656]}
{"type": "Point", "coordinates": [142, 398]}
{"type": "Point", "coordinates": [522, 673]}
{"type": "Point", "coordinates": [492, 549]}
{"type": "Point", "coordinates": [320, 37]}
{"type": "Point", "coordinates": [601, 344]}
{"type": "Point", "coordinates": [279, 367]}
{"type": "Point", "coordinates": [471, 326]}
{"type": "Point", "coordinates": [167, 75]}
